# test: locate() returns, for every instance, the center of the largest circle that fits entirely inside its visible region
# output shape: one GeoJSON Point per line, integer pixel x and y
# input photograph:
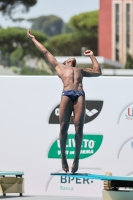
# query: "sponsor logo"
{"type": "Point", "coordinates": [129, 114]}
{"type": "Point", "coordinates": [93, 109]}
{"type": "Point", "coordinates": [90, 145]}
{"type": "Point", "coordinates": [132, 144]}
{"type": "Point", "coordinates": [126, 113]}
{"type": "Point", "coordinates": [69, 180]}
{"type": "Point", "coordinates": [67, 183]}
{"type": "Point", "coordinates": [66, 188]}
{"type": "Point", "coordinates": [124, 147]}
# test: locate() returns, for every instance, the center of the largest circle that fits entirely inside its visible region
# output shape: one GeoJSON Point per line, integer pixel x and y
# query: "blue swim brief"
{"type": "Point", "coordinates": [73, 94]}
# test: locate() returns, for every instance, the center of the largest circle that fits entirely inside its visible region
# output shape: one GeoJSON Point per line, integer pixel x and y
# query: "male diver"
{"type": "Point", "coordinates": [72, 98]}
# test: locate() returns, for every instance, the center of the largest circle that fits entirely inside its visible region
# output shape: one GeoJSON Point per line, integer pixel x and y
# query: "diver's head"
{"type": "Point", "coordinates": [71, 62]}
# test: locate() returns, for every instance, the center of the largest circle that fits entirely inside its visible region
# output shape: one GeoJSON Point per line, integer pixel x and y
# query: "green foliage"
{"type": "Point", "coordinates": [85, 21]}
{"type": "Point", "coordinates": [67, 28]}
{"type": "Point", "coordinates": [50, 25]}
{"type": "Point", "coordinates": [15, 69]}
{"type": "Point", "coordinates": [9, 6]}
{"type": "Point", "coordinates": [16, 57]}
{"type": "Point", "coordinates": [18, 54]}
{"type": "Point", "coordinates": [70, 44]}
{"type": "Point", "coordinates": [81, 31]}
{"type": "Point", "coordinates": [129, 62]}
{"type": "Point", "coordinates": [29, 71]}
{"type": "Point", "coordinates": [18, 19]}
{"type": "Point", "coordinates": [84, 34]}
{"type": "Point", "coordinates": [15, 43]}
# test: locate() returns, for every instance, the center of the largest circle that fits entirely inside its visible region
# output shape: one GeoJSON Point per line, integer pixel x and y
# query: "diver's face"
{"type": "Point", "coordinates": [71, 62]}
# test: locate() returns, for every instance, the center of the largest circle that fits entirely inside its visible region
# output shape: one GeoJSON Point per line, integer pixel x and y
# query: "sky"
{"type": "Point", "coordinates": [62, 8]}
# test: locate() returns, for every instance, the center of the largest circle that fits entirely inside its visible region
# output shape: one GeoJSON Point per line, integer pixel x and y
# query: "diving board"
{"type": "Point", "coordinates": [111, 184]}
{"type": "Point", "coordinates": [8, 173]}
{"type": "Point", "coordinates": [95, 176]}
{"type": "Point", "coordinates": [11, 182]}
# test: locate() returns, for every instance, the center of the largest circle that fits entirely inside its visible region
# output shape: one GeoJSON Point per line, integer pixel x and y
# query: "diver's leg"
{"type": "Point", "coordinates": [66, 107]}
{"type": "Point", "coordinates": [79, 117]}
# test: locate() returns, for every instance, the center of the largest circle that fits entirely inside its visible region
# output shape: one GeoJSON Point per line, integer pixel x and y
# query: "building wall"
{"type": "Point", "coordinates": [105, 29]}
{"type": "Point", "coordinates": [117, 17]}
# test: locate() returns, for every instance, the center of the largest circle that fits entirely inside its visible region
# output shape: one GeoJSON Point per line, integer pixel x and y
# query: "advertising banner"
{"type": "Point", "coordinates": [29, 133]}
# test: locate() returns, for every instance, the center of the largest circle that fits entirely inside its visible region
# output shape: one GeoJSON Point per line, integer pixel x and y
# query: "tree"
{"type": "Point", "coordinates": [71, 44]}
{"type": "Point", "coordinates": [18, 19]}
{"type": "Point", "coordinates": [28, 71]}
{"type": "Point", "coordinates": [16, 40]}
{"type": "Point", "coordinates": [129, 62]}
{"type": "Point", "coordinates": [85, 34]}
{"type": "Point", "coordinates": [50, 25]}
{"type": "Point", "coordinates": [87, 21]}
{"type": "Point", "coordinates": [9, 6]}
{"type": "Point", "coordinates": [67, 28]}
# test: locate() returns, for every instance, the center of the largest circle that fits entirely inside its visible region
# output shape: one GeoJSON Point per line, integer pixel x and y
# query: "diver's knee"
{"type": "Point", "coordinates": [78, 127]}
{"type": "Point", "coordinates": [64, 127]}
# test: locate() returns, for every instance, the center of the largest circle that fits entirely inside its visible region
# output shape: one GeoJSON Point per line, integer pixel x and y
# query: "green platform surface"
{"type": "Point", "coordinates": [95, 176]}
{"type": "Point", "coordinates": [11, 173]}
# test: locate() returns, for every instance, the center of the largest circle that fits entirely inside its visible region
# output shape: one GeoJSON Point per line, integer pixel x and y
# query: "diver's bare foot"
{"type": "Point", "coordinates": [65, 165]}
{"type": "Point", "coordinates": [75, 165]}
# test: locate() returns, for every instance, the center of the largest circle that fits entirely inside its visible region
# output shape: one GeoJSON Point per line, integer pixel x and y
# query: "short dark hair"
{"type": "Point", "coordinates": [64, 62]}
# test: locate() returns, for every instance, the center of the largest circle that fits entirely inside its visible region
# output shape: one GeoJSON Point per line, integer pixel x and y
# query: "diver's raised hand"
{"type": "Point", "coordinates": [88, 53]}
{"type": "Point", "coordinates": [29, 35]}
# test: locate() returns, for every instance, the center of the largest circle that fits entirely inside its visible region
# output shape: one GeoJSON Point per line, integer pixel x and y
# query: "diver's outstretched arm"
{"type": "Point", "coordinates": [50, 58]}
